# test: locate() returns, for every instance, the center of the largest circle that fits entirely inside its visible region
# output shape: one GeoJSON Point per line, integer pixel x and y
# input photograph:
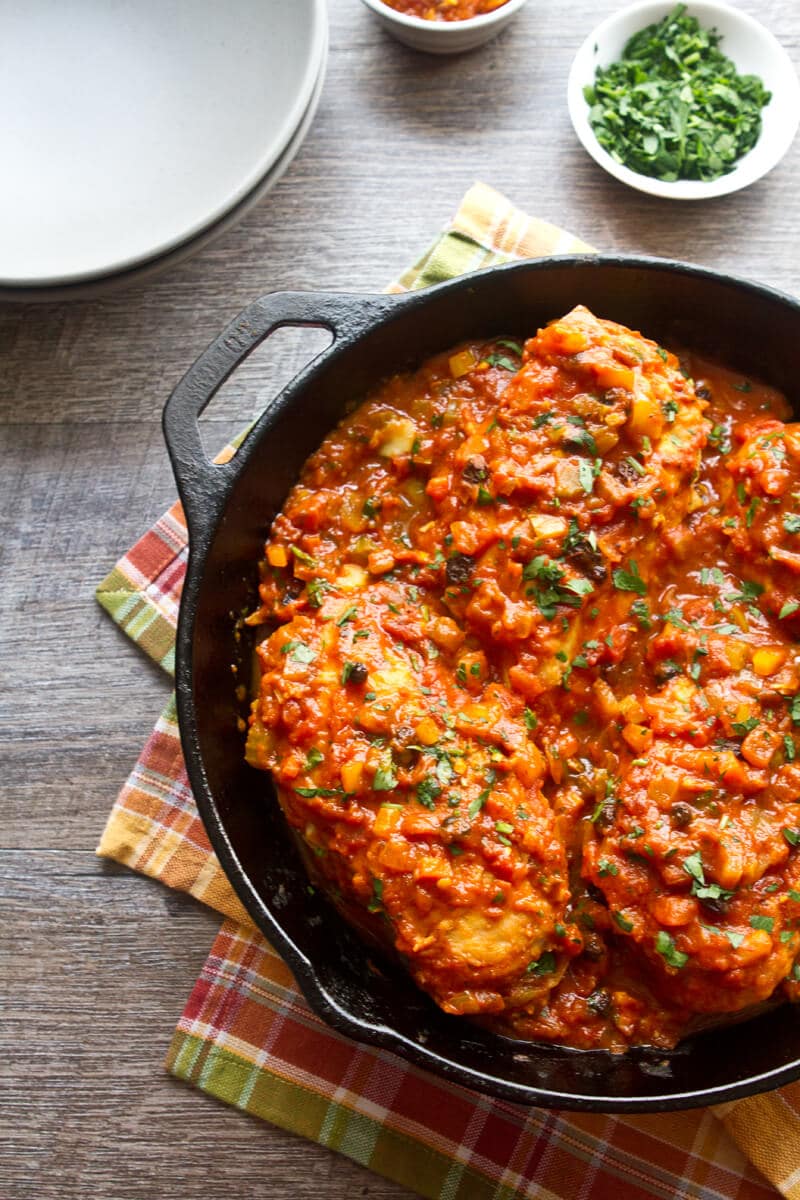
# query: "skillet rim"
{"type": "Point", "coordinates": [205, 491]}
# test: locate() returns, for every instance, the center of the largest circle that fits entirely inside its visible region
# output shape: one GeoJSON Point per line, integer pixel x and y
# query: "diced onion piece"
{"type": "Point", "coordinates": [397, 437]}
{"type": "Point", "coordinates": [461, 363]}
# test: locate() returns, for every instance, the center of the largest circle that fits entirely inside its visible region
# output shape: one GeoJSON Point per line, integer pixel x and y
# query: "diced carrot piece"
{"type": "Point", "coordinates": [638, 737]}
{"type": "Point", "coordinates": [277, 556]}
{"type": "Point", "coordinates": [387, 818]}
{"type": "Point", "coordinates": [427, 731]}
{"type": "Point", "coordinates": [351, 775]}
{"type": "Point", "coordinates": [768, 659]}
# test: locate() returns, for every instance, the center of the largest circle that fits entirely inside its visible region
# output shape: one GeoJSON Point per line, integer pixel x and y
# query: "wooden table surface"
{"type": "Point", "coordinates": [96, 961]}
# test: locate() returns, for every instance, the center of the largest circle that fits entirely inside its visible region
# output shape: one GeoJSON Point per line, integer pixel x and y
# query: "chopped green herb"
{"type": "Point", "coordinates": [544, 965]}
{"type": "Point", "coordinates": [759, 921]}
{"type": "Point", "coordinates": [629, 581]}
{"type": "Point", "coordinates": [501, 360]}
{"type": "Point", "coordinates": [791, 523]}
{"type": "Point", "coordinates": [427, 791]}
{"type": "Point", "coordinates": [376, 902]}
{"type": "Point", "coordinates": [315, 590]}
{"type": "Point", "coordinates": [531, 720]}
{"type": "Point", "coordinates": [640, 610]}
{"type": "Point", "coordinates": [792, 836]}
{"type": "Point", "coordinates": [385, 779]}
{"type": "Point", "coordinates": [301, 556]}
{"type": "Point", "coordinates": [625, 925]}
{"type": "Point", "coordinates": [604, 867]}
{"type": "Point", "coordinates": [586, 476]}
{"type": "Point", "coordinates": [299, 652]}
{"type": "Point", "coordinates": [347, 615]}
{"type": "Point", "coordinates": [665, 946]}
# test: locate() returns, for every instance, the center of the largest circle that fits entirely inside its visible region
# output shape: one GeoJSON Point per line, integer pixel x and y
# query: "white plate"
{"type": "Point", "coordinates": [753, 50]}
{"type": "Point", "coordinates": [153, 267]}
{"type": "Point", "coordinates": [130, 127]}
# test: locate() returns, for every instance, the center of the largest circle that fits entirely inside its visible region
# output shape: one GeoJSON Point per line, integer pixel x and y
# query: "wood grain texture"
{"type": "Point", "coordinates": [95, 963]}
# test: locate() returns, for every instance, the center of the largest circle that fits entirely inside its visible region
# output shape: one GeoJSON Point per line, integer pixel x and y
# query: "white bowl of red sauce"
{"type": "Point", "coordinates": [444, 26]}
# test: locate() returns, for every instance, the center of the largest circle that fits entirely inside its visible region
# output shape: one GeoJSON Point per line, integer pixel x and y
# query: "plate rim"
{"type": "Point", "coordinates": [250, 187]}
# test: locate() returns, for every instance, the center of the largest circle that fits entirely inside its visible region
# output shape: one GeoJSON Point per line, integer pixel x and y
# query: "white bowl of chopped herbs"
{"type": "Point", "coordinates": [687, 101]}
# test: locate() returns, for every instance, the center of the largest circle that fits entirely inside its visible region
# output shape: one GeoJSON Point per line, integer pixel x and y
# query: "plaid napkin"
{"type": "Point", "coordinates": [248, 1037]}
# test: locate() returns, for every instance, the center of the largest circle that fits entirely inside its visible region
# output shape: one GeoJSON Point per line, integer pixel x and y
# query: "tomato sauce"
{"type": "Point", "coordinates": [530, 683]}
{"type": "Point", "coordinates": [445, 10]}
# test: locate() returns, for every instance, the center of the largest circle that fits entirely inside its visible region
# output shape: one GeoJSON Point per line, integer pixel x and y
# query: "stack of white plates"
{"type": "Point", "coordinates": [134, 132]}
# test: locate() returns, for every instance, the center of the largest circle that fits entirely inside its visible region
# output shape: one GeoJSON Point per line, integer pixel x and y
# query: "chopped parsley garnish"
{"type": "Point", "coordinates": [665, 946]}
{"type": "Point", "coordinates": [501, 360]}
{"type": "Point", "coordinates": [586, 476]}
{"type": "Point", "coordinates": [301, 556]}
{"type": "Point", "coordinates": [674, 106]}
{"type": "Point", "coordinates": [315, 590]}
{"type": "Point", "coordinates": [669, 409]}
{"type": "Point", "coordinates": [742, 728]}
{"type": "Point", "coordinates": [385, 779]}
{"type": "Point", "coordinates": [299, 652]}
{"type": "Point", "coordinates": [531, 720]}
{"type": "Point", "coordinates": [629, 581]}
{"type": "Point", "coordinates": [759, 921]}
{"type": "Point", "coordinates": [791, 606]}
{"type": "Point", "coordinates": [427, 791]}
{"type": "Point", "coordinates": [733, 937]}
{"type": "Point", "coordinates": [371, 506]}
{"type": "Point", "coordinates": [640, 610]}
{"type": "Point", "coordinates": [545, 964]}
{"type": "Point", "coordinates": [791, 523]}
{"type": "Point", "coordinates": [313, 758]}
{"type": "Point", "coordinates": [347, 615]}
{"type": "Point", "coordinates": [792, 836]}
{"type": "Point", "coordinates": [376, 903]}
{"type": "Point", "coordinates": [625, 925]}
{"type": "Point", "coordinates": [311, 792]}
{"type": "Point", "coordinates": [693, 866]}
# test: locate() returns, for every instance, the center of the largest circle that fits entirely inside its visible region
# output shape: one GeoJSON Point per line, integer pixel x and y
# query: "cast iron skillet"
{"type": "Point", "coordinates": [229, 509]}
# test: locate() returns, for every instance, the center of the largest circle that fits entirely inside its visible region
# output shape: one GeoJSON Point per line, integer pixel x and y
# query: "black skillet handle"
{"type": "Point", "coordinates": [203, 485]}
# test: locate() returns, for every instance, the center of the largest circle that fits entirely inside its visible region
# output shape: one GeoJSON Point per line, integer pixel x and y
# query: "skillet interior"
{"type": "Point", "coordinates": [749, 328]}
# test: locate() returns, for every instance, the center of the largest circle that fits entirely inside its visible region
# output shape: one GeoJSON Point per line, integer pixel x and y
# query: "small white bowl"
{"type": "Point", "coordinates": [753, 50]}
{"type": "Point", "coordinates": [444, 37]}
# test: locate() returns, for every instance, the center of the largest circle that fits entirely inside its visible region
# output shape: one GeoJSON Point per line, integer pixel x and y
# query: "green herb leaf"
{"type": "Point", "coordinates": [673, 106]}
{"type": "Point", "coordinates": [385, 779]}
{"type": "Point", "coordinates": [629, 581]}
{"type": "Point", "coordinates": [544, 965]}
{"type": "Point", "coordinates": [665, 946]}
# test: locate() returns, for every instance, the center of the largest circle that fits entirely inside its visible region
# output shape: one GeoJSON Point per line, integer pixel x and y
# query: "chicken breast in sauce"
{"type": "Point", "coordinates": [527, 685]}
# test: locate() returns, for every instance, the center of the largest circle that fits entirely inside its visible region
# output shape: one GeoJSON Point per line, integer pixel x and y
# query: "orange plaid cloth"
{"type": "Point", "coordinates": [246, 1034]}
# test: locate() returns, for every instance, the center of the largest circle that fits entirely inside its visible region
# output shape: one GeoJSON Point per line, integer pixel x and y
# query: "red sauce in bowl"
{"type": "Point", "coordinates": [445, 10]}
